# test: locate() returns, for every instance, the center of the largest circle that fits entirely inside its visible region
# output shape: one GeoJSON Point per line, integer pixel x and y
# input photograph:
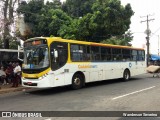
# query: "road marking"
{"type": "Point", "coordinates": [48, 119]}
{"type": "Point", "coordinates": [133, 93]}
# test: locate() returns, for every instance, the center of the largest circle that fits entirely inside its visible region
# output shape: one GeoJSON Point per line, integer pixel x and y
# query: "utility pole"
{"type": "Point", "coordinates": [148, 32]}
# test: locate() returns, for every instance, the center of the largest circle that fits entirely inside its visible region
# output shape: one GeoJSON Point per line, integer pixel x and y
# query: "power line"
{"type": "Point", "coordinates": [155, 31]}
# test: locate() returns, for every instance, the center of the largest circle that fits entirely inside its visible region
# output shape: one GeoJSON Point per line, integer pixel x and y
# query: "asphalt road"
{"type": "Point", "coordinates": [141, 93]}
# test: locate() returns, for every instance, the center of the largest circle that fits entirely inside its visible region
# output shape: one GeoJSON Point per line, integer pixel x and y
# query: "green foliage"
{"type": "Point", "coordinates": [124, 39]}
{"type": "Point", "coordinates": [80, 29]}
{"type": "Point", "coordinates": [115, 41]}
{"type": "Point", "coordinates": [77, 8]}
{"type": "Point", "coordinates": [46, 19]}
{"type": "Point", "coordinates": [51, 22]}
{"type": "Point", "coordinates": [12, 44]}
{"type": "Point", "coordinates": [56, 4]}
{"type": "Point", "coordinates": [111, 18]}
{"type": "Point", "coordinates": [90, 20]}
{"type": "Point", "coordinates": [69, 31]}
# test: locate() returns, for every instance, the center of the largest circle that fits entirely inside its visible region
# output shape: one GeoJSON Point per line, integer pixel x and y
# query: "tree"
{"type": "Point", "coordinates": [56, 4]}
{"type": "Point", "coordinates": [77, 8]}
{"type": "Point", "coordinates": [74, 20]}
{"type": "Point", "coordinates": [111, 17]}
{"type": "Point", "coordinates": [69, 31]}
{"type": "Point", "coordinates": [107, 18]}
{"type": "Point", "coordinates": [45, 19]}
{"type": "Point", "coordinates": [124, 39]}
{"type": "Point", "coordinates": [80, 29]}
{"type": "Point", "coordinates": [7, 20]}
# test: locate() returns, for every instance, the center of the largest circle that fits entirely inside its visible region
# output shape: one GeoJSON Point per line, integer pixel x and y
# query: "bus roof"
{"type": "Point", "coordinates": [84, 42]}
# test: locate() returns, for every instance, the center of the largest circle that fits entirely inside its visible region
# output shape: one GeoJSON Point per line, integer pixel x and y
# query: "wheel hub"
{"type": "Point", "coordinates": [126, 76]}
{"type": "Point", "coordinates": [77, 81]}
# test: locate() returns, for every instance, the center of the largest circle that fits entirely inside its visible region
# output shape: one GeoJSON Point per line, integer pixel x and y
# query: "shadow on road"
{"type": "Point", "coordinates": [108, 82]}
{"type": "Point", "coordinates": [57, 90]}
{"type": "Point", "coordinates": [49, 91]}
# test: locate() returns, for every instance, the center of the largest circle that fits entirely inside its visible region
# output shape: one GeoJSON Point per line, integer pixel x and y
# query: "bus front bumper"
{"type": "Point", "coordinates": [37, 83]}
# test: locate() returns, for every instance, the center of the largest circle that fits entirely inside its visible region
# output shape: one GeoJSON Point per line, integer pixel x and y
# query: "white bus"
{"type": "Point", "coordinates": [53, 61]}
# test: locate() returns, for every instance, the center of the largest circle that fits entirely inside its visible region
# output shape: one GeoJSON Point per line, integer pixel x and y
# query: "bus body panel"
{"type": "Point", "coordinates": [92, 72]}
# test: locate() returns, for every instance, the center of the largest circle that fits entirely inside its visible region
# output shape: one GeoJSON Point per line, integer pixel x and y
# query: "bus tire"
{"type": "Point", "coordinates": [126, 75]}
{"type": "Point", "coordinates": [77, 81]}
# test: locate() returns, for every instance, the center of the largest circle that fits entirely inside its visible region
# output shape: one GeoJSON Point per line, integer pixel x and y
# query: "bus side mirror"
{"type": "Point", "coordinates": [55, 53]}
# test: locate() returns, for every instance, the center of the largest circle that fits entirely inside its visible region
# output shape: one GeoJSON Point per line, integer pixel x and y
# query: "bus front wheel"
{"type": "Point", "coordinates": [126, 75]}
{"type": "Point", "coordinates": [77, 81]}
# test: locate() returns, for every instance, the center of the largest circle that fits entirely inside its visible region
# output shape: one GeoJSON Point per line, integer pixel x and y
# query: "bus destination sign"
{"type": "Point", "coordinates": [34, 43]}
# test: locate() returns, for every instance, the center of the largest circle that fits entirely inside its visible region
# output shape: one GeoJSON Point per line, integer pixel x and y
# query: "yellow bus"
{"type": "Point", "coordinates": [53, 61]}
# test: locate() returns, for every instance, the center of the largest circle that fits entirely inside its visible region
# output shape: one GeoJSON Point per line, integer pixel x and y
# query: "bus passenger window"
{"type": "Point", "coordinates": [96, 55]}
{"type": "Point", "coordinates": [134, 55]}
{"type": "Point", "coordinates": [117, 54]}
{"type": "Point", "coordinates": [79, 53]}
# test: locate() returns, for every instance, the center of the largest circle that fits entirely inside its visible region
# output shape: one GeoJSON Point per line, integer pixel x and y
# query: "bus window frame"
{"type": "Point", "coordinates": [55, 62]}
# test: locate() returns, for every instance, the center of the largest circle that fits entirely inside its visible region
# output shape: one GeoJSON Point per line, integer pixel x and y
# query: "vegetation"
{"type": "Point", "coordinates": [7, 24]}
{"type": "Point", "coordinates": [89, 20]}
{"type": "Point", "coordinates": [120, 40]}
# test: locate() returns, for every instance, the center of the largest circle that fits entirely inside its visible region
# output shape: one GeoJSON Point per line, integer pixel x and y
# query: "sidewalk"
{"type": "Point", "coordinates": [8, 88]}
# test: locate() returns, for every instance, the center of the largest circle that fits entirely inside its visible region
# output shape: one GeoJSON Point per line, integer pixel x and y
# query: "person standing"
{"type": "Point", "coordinates": [17, 75]}
{"type": "Point", "coordinates": [3, 76]}
{"type": "Point", "coordinates": [9, 73]}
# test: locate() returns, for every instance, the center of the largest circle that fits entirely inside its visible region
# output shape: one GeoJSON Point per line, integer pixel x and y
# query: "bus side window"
{"type": "Point", "coordinates": [117, 54]}
{"type": "Point", "coordinates": [96, 54]}
{"type": "Point", "coordinates": [134, 55]}
{"type": "Point", "coordinates": [126, 53]}
{"type": "Point", "coordinates": [141, 55]}
{"type": "Point", "coordinates": [80, 53]}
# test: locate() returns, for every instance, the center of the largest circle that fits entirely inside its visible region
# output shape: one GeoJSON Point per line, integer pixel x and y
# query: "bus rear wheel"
{"type": "Point", "coordinates": [77, 81]}
{"type": "Point", "coordinates": [126, 75]}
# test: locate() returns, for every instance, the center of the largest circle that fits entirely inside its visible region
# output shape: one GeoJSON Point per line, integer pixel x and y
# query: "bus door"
{"type": "Point", "coordinates": [59, 56]}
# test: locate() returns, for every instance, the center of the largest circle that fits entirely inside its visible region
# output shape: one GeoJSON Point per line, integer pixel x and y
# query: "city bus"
{"type": "Point", "coordinates": [11, 55]}
{"type": "Point", "coordinates": [53, 61]}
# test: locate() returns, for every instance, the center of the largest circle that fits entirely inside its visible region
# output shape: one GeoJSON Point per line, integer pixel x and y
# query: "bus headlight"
{"type": "Point", "coordinates": [23, 78]}
{"type": "Point", "coordinates": [40, 78]}
{"type": "Point", "coordinates": [45, 75]}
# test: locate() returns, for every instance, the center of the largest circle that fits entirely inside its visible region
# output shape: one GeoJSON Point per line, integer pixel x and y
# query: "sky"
{"type": "Point", "coordinates": [142, 8]}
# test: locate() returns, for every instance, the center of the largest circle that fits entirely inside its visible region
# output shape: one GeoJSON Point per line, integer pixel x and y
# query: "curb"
{"type": "Point", "coordinates": [13, 89]}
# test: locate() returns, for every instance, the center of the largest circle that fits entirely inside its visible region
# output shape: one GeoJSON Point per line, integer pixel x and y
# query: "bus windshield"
{"type": "Point", "coordinates": [36, 57]}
